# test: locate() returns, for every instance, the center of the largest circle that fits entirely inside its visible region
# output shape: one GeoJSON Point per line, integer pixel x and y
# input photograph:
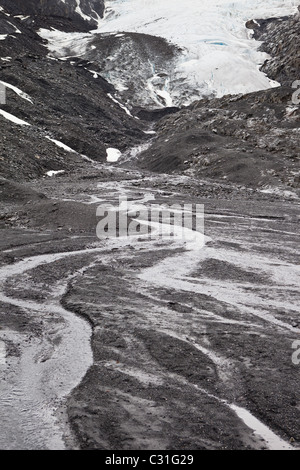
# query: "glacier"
{"type": "Point", "coordinates": [218, 54]}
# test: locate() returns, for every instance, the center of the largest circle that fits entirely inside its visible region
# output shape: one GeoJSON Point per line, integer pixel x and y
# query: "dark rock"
{"type": "Point", "coordinates": [154, 114]}
{"type": "Point", "coordinates": [57, 13]}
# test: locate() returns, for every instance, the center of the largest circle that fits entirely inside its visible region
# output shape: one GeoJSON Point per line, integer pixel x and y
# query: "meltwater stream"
{"type": "Point", "coordinates": [45, 375]}
{"type": "Point", "coordinates": [173, 272]}
{"type": "Point", "coordinates": [37, 382]}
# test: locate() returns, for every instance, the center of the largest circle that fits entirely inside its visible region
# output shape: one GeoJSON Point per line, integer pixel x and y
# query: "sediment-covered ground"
{"type": "Point", "coordinates": [147, 342]}
{"type": "Point", "coordinates": [180, 335]}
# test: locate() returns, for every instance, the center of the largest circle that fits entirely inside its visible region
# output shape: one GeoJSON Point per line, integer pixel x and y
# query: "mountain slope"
{"type": "Point", "coordinates": [79, 15]}
{"type": "Point", "coordinates": [84, 100]}
{"type": "Point", "coordinates": [54, 99]}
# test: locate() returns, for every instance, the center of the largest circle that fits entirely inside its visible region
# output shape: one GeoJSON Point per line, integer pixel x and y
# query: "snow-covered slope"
{"type": "Point", "coordinates": [218, 53]}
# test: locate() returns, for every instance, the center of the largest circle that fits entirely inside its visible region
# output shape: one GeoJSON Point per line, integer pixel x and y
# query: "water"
{"type": "Point", "coordinates": [49, 367]}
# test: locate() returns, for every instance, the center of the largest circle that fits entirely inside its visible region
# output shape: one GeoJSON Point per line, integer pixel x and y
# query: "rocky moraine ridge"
{"type": "Point", "coordinates": [137, 343]}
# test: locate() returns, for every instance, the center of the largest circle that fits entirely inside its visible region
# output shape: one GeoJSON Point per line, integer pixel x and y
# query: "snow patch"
{"type": "Point", "coordinates": [113, 155]}
{"type": "Point", "coordinates": [17, 91]}
{"type": "Point", "coordinates": [14, 119]}
{"type": "Point", "coordinates": [54, 173]}
{"type": "Point", "coordinates": [61, 145]}
{"type": "Point", "coordinates": [122, 106]}
{"type": "Point", "coordinates": [22, 17]}
{"type": "Point", "coordinates": [63, 44]}
{"type": "Point", "coordinates": [80, 12]}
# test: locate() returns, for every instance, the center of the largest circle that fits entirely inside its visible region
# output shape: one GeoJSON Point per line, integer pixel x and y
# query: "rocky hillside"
{"type": "Point", "coordinates": [281, 41]}
{"type": "Point", "coordinates": [54, 99]}
{"type": "Point", "coordinates": [71, 14]}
